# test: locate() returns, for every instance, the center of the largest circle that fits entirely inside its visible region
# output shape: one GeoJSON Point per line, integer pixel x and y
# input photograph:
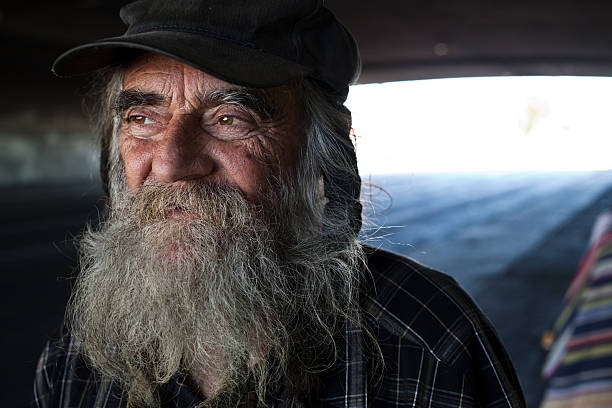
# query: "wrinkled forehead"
{"type": "Point", "coordinates": [152, 70]}
{"type": "Point", "coordinates": [180, 84]}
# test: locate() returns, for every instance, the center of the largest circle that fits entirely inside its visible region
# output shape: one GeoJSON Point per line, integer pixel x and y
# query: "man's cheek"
{"type": "Point", "coordinates": [137, 159]}
{"type": "Point", "coordinates": [266, 149]}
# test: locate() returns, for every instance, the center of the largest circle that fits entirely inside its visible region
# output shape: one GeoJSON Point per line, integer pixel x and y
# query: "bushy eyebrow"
{"type": "Point", "coordinates": [252, 99]}
{"type": "Point", "coordinates": [134, 97]}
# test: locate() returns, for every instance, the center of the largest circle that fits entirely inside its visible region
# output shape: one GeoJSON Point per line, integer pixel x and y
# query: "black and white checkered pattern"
{"type": "Point", "coordinates": [438, 351]}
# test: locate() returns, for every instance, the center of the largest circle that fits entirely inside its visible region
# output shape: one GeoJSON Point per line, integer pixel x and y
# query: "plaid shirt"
{"type": "Point", "coordinates": [438, 351]}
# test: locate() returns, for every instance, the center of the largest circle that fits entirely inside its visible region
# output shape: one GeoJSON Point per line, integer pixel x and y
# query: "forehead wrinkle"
{"type": "Point", "coordinates": [187, 89]}
{"type": "Point", "coordinates": [195, 85]}
{"type": "Point", "coordinates": [168, 84]}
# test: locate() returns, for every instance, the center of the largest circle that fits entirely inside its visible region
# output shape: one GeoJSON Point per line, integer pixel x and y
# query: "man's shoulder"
{"type": "Point", "coordinates": [435, 343]}
{"type": "Point", "coordinates": [423, 306]}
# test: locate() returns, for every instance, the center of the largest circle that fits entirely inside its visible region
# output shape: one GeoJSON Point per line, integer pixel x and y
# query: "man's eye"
{"type": "Point", "coordinates": [229, 125]}
{"type": "Point", "coordinates": [226, 120]}
{"type": "Point", "coordinates": [138, 119]}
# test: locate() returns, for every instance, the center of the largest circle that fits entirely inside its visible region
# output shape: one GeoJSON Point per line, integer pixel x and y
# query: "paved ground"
{"type": "Point", "coordinates": [513, 241]}
{"type": "Point", "coordinates": [474, 225]}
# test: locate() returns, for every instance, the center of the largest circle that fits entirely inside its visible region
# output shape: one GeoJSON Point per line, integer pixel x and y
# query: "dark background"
{"type": "Point", "coordinates": [398, 40]}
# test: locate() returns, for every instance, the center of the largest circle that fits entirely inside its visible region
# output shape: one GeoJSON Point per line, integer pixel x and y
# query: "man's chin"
{"type": "Point", "coordinates": [180, 215]}
{"type": "Point", "coordinates": [174, 241]}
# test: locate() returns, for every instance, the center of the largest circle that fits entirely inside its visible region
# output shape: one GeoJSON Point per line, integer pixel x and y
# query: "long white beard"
{"type": "Point", "coordinates": [226, 287]}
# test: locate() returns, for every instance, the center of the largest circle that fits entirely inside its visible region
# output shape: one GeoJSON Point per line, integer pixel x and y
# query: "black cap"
{"type": "Point", "coordinates": [259, 44]}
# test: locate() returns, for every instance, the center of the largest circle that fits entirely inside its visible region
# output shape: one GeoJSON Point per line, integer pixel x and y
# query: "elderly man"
{"type": "Point", "coordinates": [228, 271]}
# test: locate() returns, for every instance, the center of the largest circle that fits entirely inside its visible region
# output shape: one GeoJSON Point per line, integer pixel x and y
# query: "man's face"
{"type": "Point", "coordinates": [214, 180]}
{"type": "Point", "coordinates": [180, 124]}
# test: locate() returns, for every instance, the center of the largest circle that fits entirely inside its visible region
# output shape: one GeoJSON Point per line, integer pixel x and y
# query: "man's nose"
{"type": "Point", "coordinates": [183, 153]}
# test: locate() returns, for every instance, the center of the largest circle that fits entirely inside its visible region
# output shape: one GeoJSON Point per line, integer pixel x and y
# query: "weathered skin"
{"type": "Point", "coordinates": [181, 138]}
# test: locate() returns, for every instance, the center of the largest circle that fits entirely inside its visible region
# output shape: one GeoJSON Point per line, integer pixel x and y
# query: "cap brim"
{"type": "Point", "coordinates": [223, 59]}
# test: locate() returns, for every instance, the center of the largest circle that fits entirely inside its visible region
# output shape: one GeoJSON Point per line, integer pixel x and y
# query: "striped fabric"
{"type": "Point", "coordinates": [579, 364]}
{"type": "Point", "coordinates": [439, 351]}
